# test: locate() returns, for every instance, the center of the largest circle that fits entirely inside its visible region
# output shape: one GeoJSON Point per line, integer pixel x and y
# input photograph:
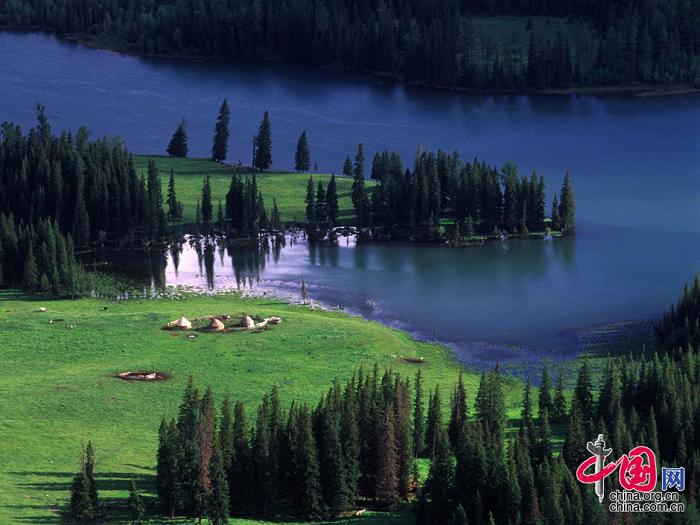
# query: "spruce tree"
{"type": "Point", "coordinates": [567, 206]}
{"type": "Point", "coordinates": [178, 143]}
{"type": "Point", "coordinates": [458, 415]}
{"type": "Point", "coordinates": [81, 505]}
{"type": "Point", "coordinates": [168, 468]}
{"type": "Point", "coordinates": [219, 149]}
{"type": "Point", "coordinates": [347, 167]}
{"type": "Point", "coordinates": [545, 398]}
{"type": "Point", "coordinates": [556, 220]}
{"type": "Point", "coordinates": [418, 419]}
{"type": "Point", "coordinates": [135, 504]}
{"type": "Point", "coordinates": [559, 403]}
{"type": "Point", "coordinates": [332, 202]}
{"type": "Point", "coordinates": [310, 206]}
{"type": "Point", "coordinates": [302, 158]}
{"type": "Point", "coordinates": [357, 192]}
{"type": "Point", "coordinates": [218, 498]}
{"type": "Point", "coordinates": [174, 206]}
{"type": "Point", "coordinates": [307, 498]}
{"type": "Point", "coordinates": [30, 275]}
{"type": "Point", "coordinates": [321, 213]}
{"type": "Point", "coordinates": [90, 473]}
{"type": "Point", "coordinates": [263, 144]}
{"type": "Point", "coordinates": [439, 487]}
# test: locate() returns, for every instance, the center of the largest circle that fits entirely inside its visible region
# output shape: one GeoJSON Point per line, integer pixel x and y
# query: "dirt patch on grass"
{"type": "Point", "coordinates": [142, 375]}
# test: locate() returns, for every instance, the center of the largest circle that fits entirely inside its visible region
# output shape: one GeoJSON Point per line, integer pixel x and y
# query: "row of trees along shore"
{"type": "Point", "coordinates": [358, 446]}
{"type": "Point", "coordinates": [449, 43]}
{"type": "Point", "coordinates": [475, 197]}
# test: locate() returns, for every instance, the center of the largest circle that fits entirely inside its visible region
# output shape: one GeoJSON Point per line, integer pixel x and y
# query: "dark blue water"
{"type": "Point", "coordinates": [635, 163]}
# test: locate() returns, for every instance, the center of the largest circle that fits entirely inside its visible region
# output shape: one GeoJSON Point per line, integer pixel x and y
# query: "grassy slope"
{"type": "Point", "coordinates": [57, 391]}
{"type": "Point", "coordinates": [288, 188]}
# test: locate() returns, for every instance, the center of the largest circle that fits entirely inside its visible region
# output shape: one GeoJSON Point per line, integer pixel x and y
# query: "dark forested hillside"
{"type": "Point", "coordinates": [470, 43]}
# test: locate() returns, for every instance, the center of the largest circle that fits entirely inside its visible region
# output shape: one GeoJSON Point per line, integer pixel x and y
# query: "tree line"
{"type": "Point", "coordinates": [591, 43]}
{"type": "Point", "coordinates": [358, 446]}
{"type": "Point", "coordinates": [475, 197]}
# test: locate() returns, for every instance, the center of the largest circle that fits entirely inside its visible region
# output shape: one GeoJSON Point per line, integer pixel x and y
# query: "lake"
{"type": "Point", "coordinates": [635, 164]}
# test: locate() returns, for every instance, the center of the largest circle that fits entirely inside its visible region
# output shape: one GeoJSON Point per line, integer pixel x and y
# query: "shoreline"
{"type": "Point", "coordinates": [598, 91]}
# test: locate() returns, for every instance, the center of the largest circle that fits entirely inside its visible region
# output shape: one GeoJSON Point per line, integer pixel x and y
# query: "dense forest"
{"type": "Point", "coordinates": [553, 44]}
{"type": "Point", "coordinates": [358, 446]}
{"type": "Point", "coordinates": [59, 193]}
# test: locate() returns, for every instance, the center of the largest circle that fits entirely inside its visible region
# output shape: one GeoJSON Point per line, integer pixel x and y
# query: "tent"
{"type": "Point", "coordinates": [216, 325]}
{"type": "Point", "coordinates": [183, 324]}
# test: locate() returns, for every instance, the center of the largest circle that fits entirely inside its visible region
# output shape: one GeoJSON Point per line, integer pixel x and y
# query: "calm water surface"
{"type": "Point", "coordinates": [635, 162]}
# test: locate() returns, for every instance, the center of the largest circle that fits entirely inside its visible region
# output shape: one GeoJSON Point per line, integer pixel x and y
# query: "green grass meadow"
{"type": "Point", "coordinates": [288, 188]}
{"type": "Point", "coordinates": [58, 391]}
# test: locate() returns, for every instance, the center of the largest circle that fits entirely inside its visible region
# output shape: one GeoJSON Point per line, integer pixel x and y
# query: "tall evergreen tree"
{"type": "Point", "coordinates": [174, 206]}
{"type": "Point", "coordinates": [135, 504]}
{"type": "Point", "coordinates": [218, 501]}
{"type": "Point", "coordinates": [263, 144]}
{"type": "Point", "coordinates": [418, 420]}
{"type": "Point", "coordinates": [302, 158]}
{"type": "Point", "coordinates": [544, 401]}
{"type": "Point", "coordinates": [567, 205]}
{"type": "Point", "coordinates": [332, 202]}
{"type": "Point", "coordinates": [178, 143]}
{"type": "Point", "coordinates": [219, 149]}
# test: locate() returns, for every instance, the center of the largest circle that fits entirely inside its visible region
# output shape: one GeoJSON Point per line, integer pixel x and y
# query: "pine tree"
{"type": "Point", "coordinates": [458, 415]}
{"type": "Point", "coordinates": [357, 192]}
{"type": "Point", "coordinates": [218, 500]}
{"type": "Point", "coordinates": [90, 474]}
{"type": "Point", "coordinates": [206, 208]}
{"type": "Point", "coordinates": [81, 505]}
{"type": "Point", "coordinates": [135, 504]}
{"type": "Point", "coordinates": [174, 206]}
{"type": "Point", "coordinates": [263, 144]}
{"type": "Point", "coordinates": [310, 206]}
{"type": "Point", "coordinates": [347, 167]}
{"type": "Point", "coordinates": [583, 394]}
{"type": "Point", "coordinates": [556, 220]}
{"type": "Point", "coordinates": [219, 149]}
{"type": "Point", "coordinates": [559, 404]}
{"type": "Point", "coordinates": [307, 496]}
{"type": "Point", "coordinates": [154, 206]}
{"type": "Point", "coordinates": [302, 158]}
{"type": "Point", "coordinates": [168, 468]}
{"type": "Point", "coordinates": [178, 143]}
{"type": "Point", "coordinates": [439, 485]}
{"type": "Point", "coordinates": [418, 420]}
{"type": "Point", "coordinates": [30, 275]}
{"type": "Point", "coordinates": [567, 206]}
{"type": "Point", "coordinates": [332, 202]}
{"type": "Point", "coordinates": [434, 420]}
{"type": "Point", "coordinates": [545, 398]}
{"type": "Point", "coordinates": [387, 460]}
{"type": "Point", "coordinates": [321, 214]}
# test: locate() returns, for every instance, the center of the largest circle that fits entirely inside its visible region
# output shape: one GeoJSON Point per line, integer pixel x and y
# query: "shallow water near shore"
{"type": "Point", "coordinates": [516, 302]}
